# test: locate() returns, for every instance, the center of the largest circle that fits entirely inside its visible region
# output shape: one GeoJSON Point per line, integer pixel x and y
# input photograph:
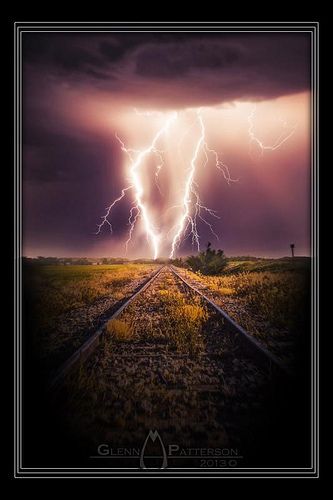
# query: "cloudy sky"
{"type": "Point", "coordinates": [81, 89]}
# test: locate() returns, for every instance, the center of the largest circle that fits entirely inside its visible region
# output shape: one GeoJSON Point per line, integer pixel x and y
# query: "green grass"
{"type": "Point", "coordinates": [271, 265]}
{"type": "Point", "coordinates": [61, 288]}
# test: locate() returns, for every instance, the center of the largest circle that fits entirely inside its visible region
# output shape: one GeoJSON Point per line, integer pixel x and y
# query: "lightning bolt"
{"type": "Point", "coordinates": [191, 202]}
{"type": "Point", "coordinates": [220, 165]}
{"type": "Point", "coordinates": [193, 211]}
{"type": "Point", "coordinates": [159, 167]}
{"type": "Point", "coordinates": [285, 134]}
{"type": "Point", "coordinates": [105, 218]}
{"type": "Point", "coordinates": [132, 220]}
{"type": "Point", "coordinates": [137, 159]}
{"type": "Point", "coordinates": [157, 152]}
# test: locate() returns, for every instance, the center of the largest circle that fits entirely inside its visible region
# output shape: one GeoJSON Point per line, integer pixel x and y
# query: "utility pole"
{"type": "Point", "coordinates": [292, 246]}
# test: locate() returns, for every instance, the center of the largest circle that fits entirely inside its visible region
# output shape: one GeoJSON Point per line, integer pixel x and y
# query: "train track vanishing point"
{"type": "Point", "coordinates": [250, 344]}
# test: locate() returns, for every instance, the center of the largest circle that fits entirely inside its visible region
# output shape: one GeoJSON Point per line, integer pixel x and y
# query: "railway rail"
{"type": "Point", "coordinates": [253, 348]}
{"type": "Point", "coordinates": [83, 352]}
{"type": "Point", "coordinates": [262, 355]}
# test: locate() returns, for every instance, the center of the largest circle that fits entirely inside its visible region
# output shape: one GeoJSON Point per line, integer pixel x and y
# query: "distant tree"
{"type": "Point", "coordinates": [82, 261]}
{"type": "Point", "coordinates": [209, 261]}
{"type": "Point", "coordinates": [47, 261]}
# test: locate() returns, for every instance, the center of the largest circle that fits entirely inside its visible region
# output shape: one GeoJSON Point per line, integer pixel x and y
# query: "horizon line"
{"type": "Point", "coordinates": [150, 258]}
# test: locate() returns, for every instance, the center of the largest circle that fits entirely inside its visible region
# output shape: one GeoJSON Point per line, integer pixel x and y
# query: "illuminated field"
{"type": "Point", "coordinates": [65, 303]}
{"type": "Point", "coordinates": [167, 362]}
{"type": "Point", "coordinates": [269, 298]}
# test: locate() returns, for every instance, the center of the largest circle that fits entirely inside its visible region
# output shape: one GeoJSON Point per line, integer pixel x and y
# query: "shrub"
{"type": "Point", "coordinates": [208, 262]}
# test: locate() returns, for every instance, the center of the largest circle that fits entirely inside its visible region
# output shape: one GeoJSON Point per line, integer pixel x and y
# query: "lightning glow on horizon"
{"type": "Point", "coordinates": [192, 208]}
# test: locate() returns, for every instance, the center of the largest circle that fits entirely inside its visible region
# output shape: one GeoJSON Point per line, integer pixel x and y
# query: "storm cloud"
{"type": "Point", "coordinates": [176, 69]}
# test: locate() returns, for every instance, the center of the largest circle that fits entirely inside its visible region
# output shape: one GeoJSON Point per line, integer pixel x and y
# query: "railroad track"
{"type": "Point", "coordinates": [262, 355]}
{"type": "Point", "coordinates": [83, 352]}
{"type": "Point", "coordinates": [264, 358]}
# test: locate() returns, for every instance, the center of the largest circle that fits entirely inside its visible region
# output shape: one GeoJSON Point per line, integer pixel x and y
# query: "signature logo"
{"type": "Point", "coordinates": [153, 442]}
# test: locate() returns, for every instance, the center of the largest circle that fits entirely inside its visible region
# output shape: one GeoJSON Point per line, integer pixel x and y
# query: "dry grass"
{"type": "Point", "coordinates": [182, 319]}
{"type": "Point", "coordinates": [61, 288]}
{"type": "Point", "coordinates": [54, 295]}
{"type": "Point", "coordinates": [279, 298]}
{"type": "Point", "coordinates": [53, 290]}
{"type": "Point", "coordinates": [119, 330]}
{"type": "Point", "coordinates": [185, 327]}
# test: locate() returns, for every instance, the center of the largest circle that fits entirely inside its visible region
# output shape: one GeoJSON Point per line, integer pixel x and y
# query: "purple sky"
{"type": "Point", "coordinates": [80, 89]}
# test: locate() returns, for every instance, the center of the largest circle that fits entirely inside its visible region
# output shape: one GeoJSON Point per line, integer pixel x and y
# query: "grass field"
{"type": "Point", "coordinates": [63, 303]}
{"type": "Point", "coordinates": [61, 288]}
{"type": "Point", "coordinates": [167, 362]}
{"type": "Point", "coordinates": [297, 264]}
{"type": "Point", "coordinates": [270, 298]}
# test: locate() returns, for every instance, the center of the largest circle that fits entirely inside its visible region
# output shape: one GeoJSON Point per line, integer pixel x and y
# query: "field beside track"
{"type": "Point", "coordinates": [65, 303]}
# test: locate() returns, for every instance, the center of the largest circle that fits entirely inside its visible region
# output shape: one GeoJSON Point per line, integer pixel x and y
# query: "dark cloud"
{"type": "Point", "coordinates": [114, 49]}
{"type": "Point", "coordinates": [171, 59]}
{"type": "Point", "coordinates": [230, 68]}
{"type": "Point", "coordinates": [217, 67]}
{"type": "Point", "coordinates": [64, 55]}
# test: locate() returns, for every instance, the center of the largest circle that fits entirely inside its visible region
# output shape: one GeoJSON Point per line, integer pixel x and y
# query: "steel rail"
{"type": "Point", "coordinates": [83, 352]}
{"type": "Point", "coordinates": [263, 355]}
